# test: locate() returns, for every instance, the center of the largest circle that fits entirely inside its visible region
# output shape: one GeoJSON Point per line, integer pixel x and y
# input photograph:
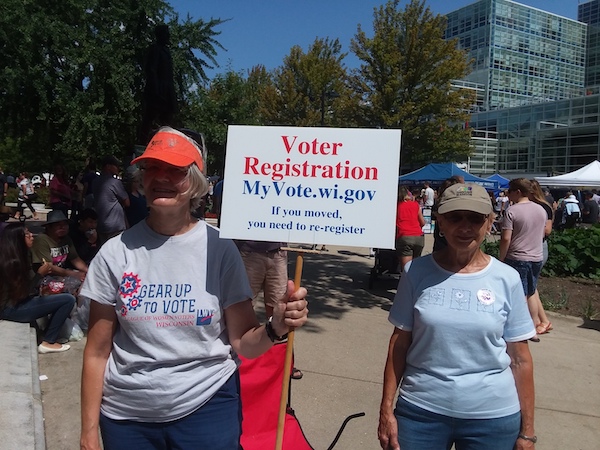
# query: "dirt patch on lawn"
{"type": "Point", "coordinates": [571, 296]}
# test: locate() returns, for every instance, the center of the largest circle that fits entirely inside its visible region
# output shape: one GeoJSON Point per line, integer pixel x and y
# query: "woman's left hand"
{"type": "Point", "coordinates": [523, 444]}
{"type": "Point", "coordinates": [291, 311]}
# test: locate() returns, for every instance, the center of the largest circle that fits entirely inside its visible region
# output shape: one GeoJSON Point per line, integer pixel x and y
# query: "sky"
{"type": "Point", "coordinates": [264, 31]}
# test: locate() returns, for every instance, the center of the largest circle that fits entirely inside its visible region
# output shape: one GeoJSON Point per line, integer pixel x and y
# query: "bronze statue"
{"type": "Point", "coordinates": [160, 101]}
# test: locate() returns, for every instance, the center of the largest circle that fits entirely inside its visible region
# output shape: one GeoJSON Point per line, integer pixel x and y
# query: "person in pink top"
{"type": "Point", "coordinates": [521, 242]}
{"type": "Point", "coordinates": [409, 228]}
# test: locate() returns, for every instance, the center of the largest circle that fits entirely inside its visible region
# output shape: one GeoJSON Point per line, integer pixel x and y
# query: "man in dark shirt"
{"type": "Point", "coordinates": [590, 209]}
{"type": "Point", "coordinates": [549, 198]}
{"type": "Point", "coordinates": [84, 235]}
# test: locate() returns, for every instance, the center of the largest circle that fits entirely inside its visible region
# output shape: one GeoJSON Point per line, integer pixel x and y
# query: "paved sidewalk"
{"type": "Point", "coordinates": [342, 353]}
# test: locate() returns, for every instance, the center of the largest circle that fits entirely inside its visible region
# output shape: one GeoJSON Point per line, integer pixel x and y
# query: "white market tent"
{"type": "Point", "coordinates": [587, 176]}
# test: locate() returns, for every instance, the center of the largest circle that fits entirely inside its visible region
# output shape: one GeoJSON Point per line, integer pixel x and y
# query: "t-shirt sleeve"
{"type": "Point", "coordinates": [507, 222]}
{"type": "Point", "coordinates": [518, 326]}
{"type": "Point", "coordinates": [226, 273]}
{"type": "Point", "coordinates": [235, 286]}
{"type": "Point", "coordinates": [40, 250]}
{"type": "Point", "coordinates": [402, 312]}
{"type": "Point", "coordinates": [101, 284]}
{"type": "Point", "coordinates": [120, 191]}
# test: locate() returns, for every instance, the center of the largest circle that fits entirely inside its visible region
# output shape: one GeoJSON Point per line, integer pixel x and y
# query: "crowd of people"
{"type": "Point", "coordinates": [573, 209]}
{"type": "Point", "coordinates": [166, 301]}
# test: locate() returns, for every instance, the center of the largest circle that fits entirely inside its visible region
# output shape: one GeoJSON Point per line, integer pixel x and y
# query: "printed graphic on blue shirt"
{"type": "Point", "coordinates": [168, 305]}
{"type": "Point", "coordinates": [460, 299]}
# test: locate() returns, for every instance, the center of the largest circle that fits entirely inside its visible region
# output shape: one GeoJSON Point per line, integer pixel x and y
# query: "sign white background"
{"type": "Point", "coordinates": [326, 196]}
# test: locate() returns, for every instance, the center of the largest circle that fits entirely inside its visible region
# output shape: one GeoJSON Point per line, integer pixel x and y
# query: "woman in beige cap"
{"type": "Point", "coordinates": [459, 348]}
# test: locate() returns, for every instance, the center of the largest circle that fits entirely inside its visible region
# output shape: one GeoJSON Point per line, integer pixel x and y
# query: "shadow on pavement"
{"type": "Point", "coordinates": [336, 285]}
{"type": "Point", "coordinates": [590, 324]}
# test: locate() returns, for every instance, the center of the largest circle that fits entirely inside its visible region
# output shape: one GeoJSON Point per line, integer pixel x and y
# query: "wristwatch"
{"type": "Point", "coordinates": [271, 332]}
{"type": "Point", "coordinates": [528, 438]}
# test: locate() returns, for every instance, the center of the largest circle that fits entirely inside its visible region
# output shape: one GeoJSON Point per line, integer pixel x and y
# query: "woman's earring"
{"type": "Point", "coordinates": [441, 234]}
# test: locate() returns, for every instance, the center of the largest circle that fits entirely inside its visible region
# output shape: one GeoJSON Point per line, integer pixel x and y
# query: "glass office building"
{"type": "Point", "coordinates": [589, 13]}
{"type": "Point", "coordinates": [533, 113]}
{"type": "Point", "coordinates": [520, 54]}
{"type": "Point", "coordinates": [544, 138]}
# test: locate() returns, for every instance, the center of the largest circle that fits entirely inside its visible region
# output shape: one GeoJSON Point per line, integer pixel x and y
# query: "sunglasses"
{"type": "Point", "coordinates": [471, 217]}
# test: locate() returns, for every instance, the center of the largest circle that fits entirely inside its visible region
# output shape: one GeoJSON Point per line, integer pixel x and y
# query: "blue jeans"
{"type": "Point", "coordinates": [529, 272]}
{"type": "Point", "coordinates": [59, 306]}
{"type": "Point", "coordinates": [217, 425]}
{"type": "Point", "coordinates": [419, 429]}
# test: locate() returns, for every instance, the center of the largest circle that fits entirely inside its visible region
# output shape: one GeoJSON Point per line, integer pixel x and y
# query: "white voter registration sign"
{"type": "Point", "coordinates": [334, 186]}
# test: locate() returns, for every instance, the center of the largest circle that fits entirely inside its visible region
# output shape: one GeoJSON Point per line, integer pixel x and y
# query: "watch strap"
{"type": "Point", "coordinates": [271, 332]}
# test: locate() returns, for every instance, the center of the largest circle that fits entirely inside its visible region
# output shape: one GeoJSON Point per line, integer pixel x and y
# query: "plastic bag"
{"type": "Point", "coordinates": [70, 331]}
{"type": "Point", "coordinates": [82, 313]}
{"type": "Point", "coordinates": [57, 285]}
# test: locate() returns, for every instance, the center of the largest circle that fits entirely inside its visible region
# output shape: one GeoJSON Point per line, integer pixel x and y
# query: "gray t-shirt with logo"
{"type": "Point", "coordinates": [171, 352]}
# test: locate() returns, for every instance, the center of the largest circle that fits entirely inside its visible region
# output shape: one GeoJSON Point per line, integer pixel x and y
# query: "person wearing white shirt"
{"type": "Point", "coordinates": [428, 195]}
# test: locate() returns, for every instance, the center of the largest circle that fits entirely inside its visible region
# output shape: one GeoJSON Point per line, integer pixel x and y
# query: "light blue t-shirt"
{"type": "Point", "coordinates": [457, 364]}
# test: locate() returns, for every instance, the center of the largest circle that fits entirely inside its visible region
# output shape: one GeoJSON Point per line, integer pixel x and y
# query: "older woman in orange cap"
{"type": "Point", "coordinates": [171, 308]}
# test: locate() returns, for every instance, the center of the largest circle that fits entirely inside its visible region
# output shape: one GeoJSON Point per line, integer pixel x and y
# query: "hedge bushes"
{"type": "Point", "coordinates": [574, 252]}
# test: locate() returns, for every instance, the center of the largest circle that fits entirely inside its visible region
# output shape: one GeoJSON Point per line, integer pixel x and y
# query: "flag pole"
{"type": "Point", "coordinates": [287, 366]}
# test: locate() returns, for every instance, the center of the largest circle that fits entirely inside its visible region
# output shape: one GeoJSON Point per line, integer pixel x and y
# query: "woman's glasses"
{"type": "Point", "coordinates": [471, 217]}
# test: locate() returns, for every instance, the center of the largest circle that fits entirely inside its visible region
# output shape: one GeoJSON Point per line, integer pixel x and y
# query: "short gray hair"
{"type": "Point", "coordinates": [198, 186]}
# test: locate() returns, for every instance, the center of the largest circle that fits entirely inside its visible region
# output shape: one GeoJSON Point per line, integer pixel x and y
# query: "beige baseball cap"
{"type": "Point", "coordinates": [465, 197]}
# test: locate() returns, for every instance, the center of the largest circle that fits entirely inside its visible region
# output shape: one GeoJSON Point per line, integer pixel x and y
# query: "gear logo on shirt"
{"type": "Point", "coordinates": [134, 303]}
{"type": "Point", "coordinates": [130, 284]}
{"type": "Point", "coordinates": [204, 316]}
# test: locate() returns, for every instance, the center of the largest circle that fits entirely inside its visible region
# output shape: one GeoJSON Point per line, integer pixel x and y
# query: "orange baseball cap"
{"type": "Point", "coordinates": [173, 149]}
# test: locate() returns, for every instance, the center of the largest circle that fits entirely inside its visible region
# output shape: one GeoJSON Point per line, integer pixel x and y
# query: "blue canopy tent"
{"type": "Point", "coordinates": [502, 182]}
{"type": "Point", "coordinates": [436, 173]}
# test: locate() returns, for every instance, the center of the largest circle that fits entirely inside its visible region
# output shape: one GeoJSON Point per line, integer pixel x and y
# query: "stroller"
{"type": "Point", "coordinates": [386, 263]}
{"type": "Point", "coordinates": [260, 387]}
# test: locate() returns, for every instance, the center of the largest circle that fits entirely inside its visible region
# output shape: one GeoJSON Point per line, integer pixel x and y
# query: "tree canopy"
{"type": "Point", "coordinates": [405, 82]}
{"type": "Point", "coordinates": [73, 82]}
{"type": "Point", "coordinates": [73, 79]}
{"type": "Point", "coordinates": [229, 99]}
{"type": "Point", "coordinates": [311, 89]}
